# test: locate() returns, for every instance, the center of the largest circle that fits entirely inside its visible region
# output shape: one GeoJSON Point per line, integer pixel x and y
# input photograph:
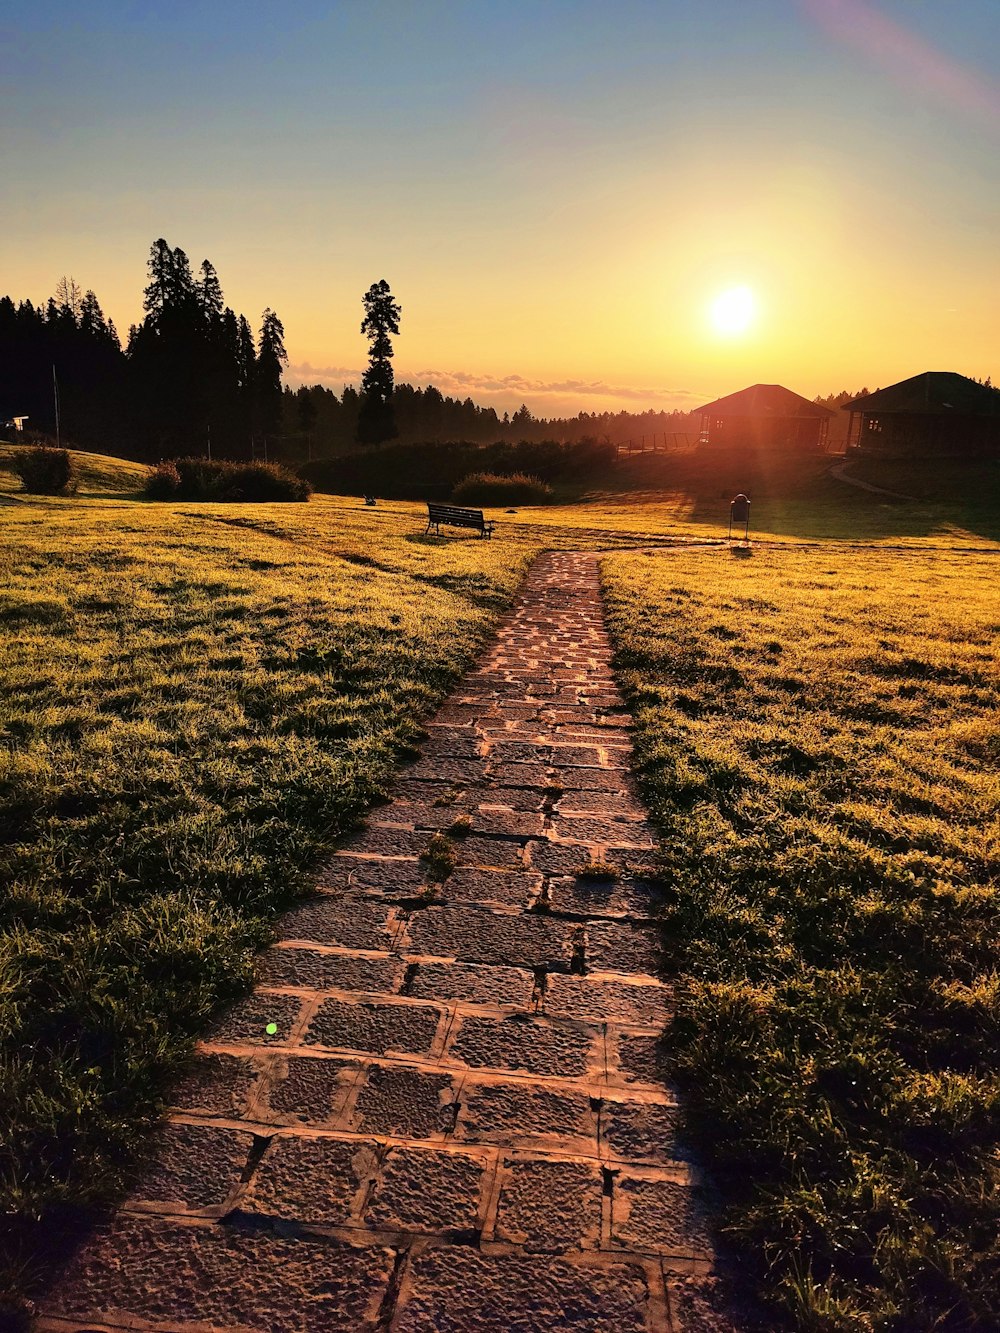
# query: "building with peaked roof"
{"type": "Point", "coordinates": [938, 412]}
{"type": "Point", "coordinates": [765, 415]}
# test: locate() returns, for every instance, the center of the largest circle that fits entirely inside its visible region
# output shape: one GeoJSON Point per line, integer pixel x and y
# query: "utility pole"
{"type": "Point", "coordinates": [55, 396]}
{"type": "Point", "coordinates": [208, 437]}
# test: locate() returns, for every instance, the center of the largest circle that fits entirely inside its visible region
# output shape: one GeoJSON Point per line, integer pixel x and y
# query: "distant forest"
{"type": "Point", "coordinates": [195, 378]}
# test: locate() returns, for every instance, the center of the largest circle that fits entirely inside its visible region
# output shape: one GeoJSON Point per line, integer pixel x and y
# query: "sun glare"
{"type": "Point", "coordinates": [733, 310]}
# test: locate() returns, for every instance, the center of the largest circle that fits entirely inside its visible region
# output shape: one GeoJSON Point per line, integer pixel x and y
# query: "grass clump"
{"type": "Point", "coordinates": [45, 471]}
{"type": "Point", "coordinates": [830, 818]}
{"type": "Point", "coordinates": [491, 488]}
{"type": "Point", "coordinates": [194, 710]}
{"type": "Point", "coordinates": [440, 857]}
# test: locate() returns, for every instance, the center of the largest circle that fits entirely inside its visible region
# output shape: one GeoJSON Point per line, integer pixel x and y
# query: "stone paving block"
{"type": "Point", "coordinates": [510, 987]}
{"type": "Point", "coordinates": [425, 791]}
{"type": "Point", "coordinates": [533, 1046]}
{"type": "Point", "coordinates": [550, 1205]}
{"type": "Point", "coordinates": [640, 1131]}
{"type": "Point", "coordinates": [217, 1276]}
{"type": "Point", "coordinates": [249, 1019]}
{"type": "Point", "coordinates": [511, 1112]}
{"type": "Point", "coordinates": [606, 1001]}
{"type": "Point", "coordinates": [552, 858]}
{"type": "Point", "coordinates": [699, 1305]}
{"type": "Point", "coordinates": [604, 897]}
{"type": "Point", "coordinates": [458, 1290]}
{"type": "Point", "coordinates": [640, 1059]}
{"type": "Point", "coordinates": [605, 804]}
{"type": "Point", "coordinates": [502, 774]}
{"type": "Point", "coordinates": [602, 832]}
{"type": "Point", "coordinates": [659, 1216]}
{"type": "Point", "coordinates": [353, 923]}
{"type": "Point", "coordinates": [305, 969]}
{"type": "Point", "coordinates": [511, 798]}
{"type": "Point", "coordinates": [504, 888]}
{"type": "Point", "coordinates": [362, 1026]}
{"type": "Point", "coordinates": [577, 756]}
{"type": "Point", "coordinates": [519, 752]}
{"type": "Point", "coordinates": [614, 947]}
{"type": "Point", "coordinates": [421, 1190]}
{"type": "Point", "coordinates": [193, 1165]}
{"type": "Point", "coordinates": [508, 823]}
{"type": "Point", "coordinates": [217, 1084]}
{"type": "Point", "coordinates": [449, 742]}
{"type": "Point", "coordinates": [589, 779]}
{"type": "Point", "coordinates": [311, 1180]}
{"type": "Point", "coordinates": [470, 935]}
{"type": "Point", "coordinates": [392, 879]}
{"type": "Point", "coordinates": [378, 840]}
{"type": "Point", "coordinates": [483, 851]}
{"type": "Point", "coordinates": [459, 771]}
{"type": "Point", "coordinates": [309, 1089]}
{"type": "Point", "coordinates": [405, 1103]}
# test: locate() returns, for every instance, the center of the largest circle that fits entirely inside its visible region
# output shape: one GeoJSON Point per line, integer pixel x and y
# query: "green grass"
{"type": "Point", "coordinates": [98, 474]}
{"type": "Point", "coordinates": [818, 740]}
{"type": "Point", "coordinates": [196, 706]}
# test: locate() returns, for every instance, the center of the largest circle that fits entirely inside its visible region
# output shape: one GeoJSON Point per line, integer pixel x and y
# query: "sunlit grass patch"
{"type": "Point", "coordinates": [817, 740]}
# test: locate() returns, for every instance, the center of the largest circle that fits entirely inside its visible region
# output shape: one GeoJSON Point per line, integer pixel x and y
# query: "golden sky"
{"type": "Point", "coordinates": [556, 194]}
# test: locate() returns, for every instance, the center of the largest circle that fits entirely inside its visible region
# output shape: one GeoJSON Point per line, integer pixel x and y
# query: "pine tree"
{"type": "Point", "coordinates": [376, 420]}
{"type": "Point", "coordinates": [271, 358]}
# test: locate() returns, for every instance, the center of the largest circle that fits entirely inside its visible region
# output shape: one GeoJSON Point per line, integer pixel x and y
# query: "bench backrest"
{"type": "Point", "coordinates": [454, 514]}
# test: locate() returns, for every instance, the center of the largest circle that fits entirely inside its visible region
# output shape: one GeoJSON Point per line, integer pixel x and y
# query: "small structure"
{"type": "Point", "coordinates": [765, 415]}
{"type": "Point", "coordinates": [739, 512]}
{"type": "Point", "coordinates": [938, 412]}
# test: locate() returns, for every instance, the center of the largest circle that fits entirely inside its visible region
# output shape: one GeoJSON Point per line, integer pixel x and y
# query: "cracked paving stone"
{"type": "Point", "coordinates": [309, 1089]}
{"type": "Point", "coordinates": [550, 1205]}
{"type": "Point", "coordinates": [637, 1131]}
{"type": "Point", "coordinates": [352, 923]}
{"type": "Point", "coordinates": [455, 1289]}
{"type": "Point", "coordinates": [607, 1001]}
{"type": "Point", "coordinates": [217, 1084]}
{"type": "Point", "coordinates": [530, 1045]}
{"type": "Point", "coordinates": [474, 936]}
{"type": "Point", "coordinates": [378, 1028]}
{"type": "Point", "coordinates": [405, 1103]}
{"type": "Point", "coordinates": [510, 1112]}
{"type": "Point", "coordinates": [260, 1283]}
{"type": "Point", "coordinates": [615, 947]}
{"type": "Point", "coordinates": [420, 1190]}
{"type": "Point", "coordinates": [504, 888]}
{"type": "Point", "coordinates": [659, 1216]}
{"type": "Point", "coordinates": [194, 1165]}
{"type": "Point", "coordinates": [305, 969]}
{"type": "Point", "coordinates": [249, 1019]}
{"type": "Point", "coordinates": [311, 1180]}
{"type": "Point", "coordinates": [510, 987]}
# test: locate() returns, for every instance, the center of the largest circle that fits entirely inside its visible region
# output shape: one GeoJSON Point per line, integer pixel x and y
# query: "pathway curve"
{"type": "Point", "coordinates": [457, 1123]}
{"type": "Point", "coordinates": [840, 473]}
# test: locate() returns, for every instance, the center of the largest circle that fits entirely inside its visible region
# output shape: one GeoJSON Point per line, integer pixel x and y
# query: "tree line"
{"type": "Point", "coordinates": [191, 378]}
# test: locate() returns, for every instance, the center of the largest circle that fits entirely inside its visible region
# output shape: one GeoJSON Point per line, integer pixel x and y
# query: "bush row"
{"type": "Point", "coordinates": [433, 471]}
{"type": "Point", "coordinates": [217, 479]}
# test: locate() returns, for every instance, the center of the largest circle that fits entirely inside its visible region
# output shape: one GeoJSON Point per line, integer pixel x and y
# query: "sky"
{"type": "Point", "coordinates": [557, 191]}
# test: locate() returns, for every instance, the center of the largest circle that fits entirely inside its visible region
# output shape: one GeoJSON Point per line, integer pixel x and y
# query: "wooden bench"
{"type": "Point", "coordinates": [454, 517]}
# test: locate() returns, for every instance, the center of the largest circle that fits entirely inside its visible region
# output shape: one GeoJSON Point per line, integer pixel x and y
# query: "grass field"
{"type": "Point", "coordinates": [197, 702]}
{"type": "Point", "coordinates": [818, 740]}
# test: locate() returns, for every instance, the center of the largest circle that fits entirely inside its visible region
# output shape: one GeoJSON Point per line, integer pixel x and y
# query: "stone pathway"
{"type": "Point", "coordinates": [440, 1109]}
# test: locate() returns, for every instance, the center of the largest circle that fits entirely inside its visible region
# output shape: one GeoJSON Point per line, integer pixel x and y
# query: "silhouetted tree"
{"type": "Point", "coordinates": [376, 420]}
{"type": "Point", "coordinates": [271, 358]}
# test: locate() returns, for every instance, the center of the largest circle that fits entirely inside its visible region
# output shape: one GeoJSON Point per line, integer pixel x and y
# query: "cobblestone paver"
{"type": "Point", "coordinates": [440, 1109]}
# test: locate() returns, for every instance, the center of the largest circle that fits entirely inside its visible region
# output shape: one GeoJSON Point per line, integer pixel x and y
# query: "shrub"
{"type": "Point", "coordinates": [45, 471]}
{"type": "Point", "coordinates": [225, 482]}
{"type": "Point", "coordinates": [492, 488]}
{"type": "Point", "coordinates": [163, 483]}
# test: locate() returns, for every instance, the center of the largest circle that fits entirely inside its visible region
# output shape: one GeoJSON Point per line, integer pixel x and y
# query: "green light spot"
{"type": "Point", "coordinates": [271, 1029]}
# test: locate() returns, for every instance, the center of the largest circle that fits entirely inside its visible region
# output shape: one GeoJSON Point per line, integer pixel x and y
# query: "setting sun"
{"type": "Point", "coordinates": [733, 310]}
